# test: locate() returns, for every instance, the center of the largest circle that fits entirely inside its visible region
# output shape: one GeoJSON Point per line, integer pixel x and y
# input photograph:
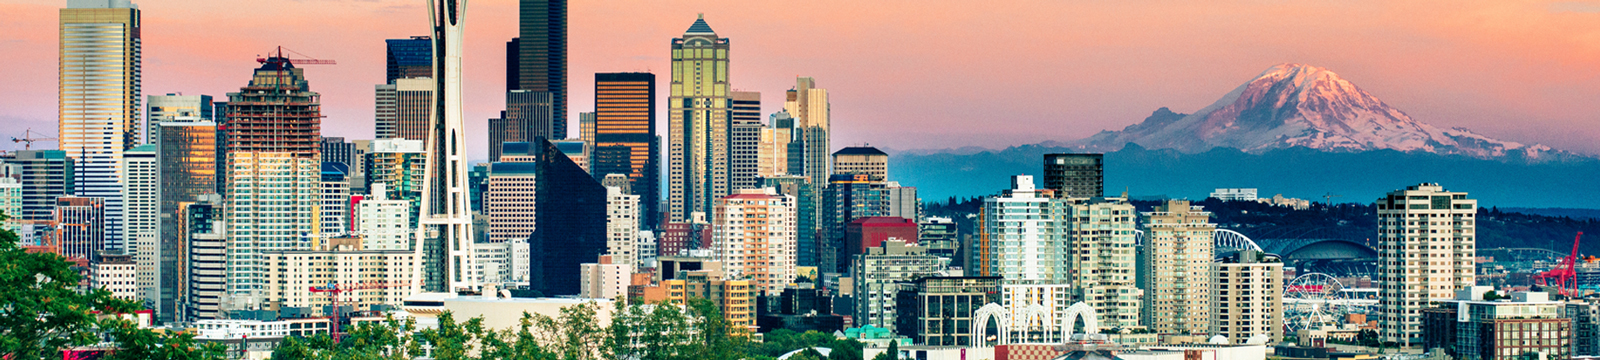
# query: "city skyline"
{"type": "Point", "coordinates": [1059, 72]}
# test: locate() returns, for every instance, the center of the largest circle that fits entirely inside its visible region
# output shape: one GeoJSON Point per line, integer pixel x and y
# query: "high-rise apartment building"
{"type": "Point", "coordinates": [273, 173]}
{"type": "Point", "coordinates": [335, 200]}
{"type": "Point", "coordinates": [698, 119]}
{"type": "Point", "coordinates": [403, 107]}
{"type": "Point", "coordinates": [878, 274]}
{"type": "Point", "coordinates": [189, 152]}
{"type": "Point", "coordinates": [83, 224]}
{"type": "Point", "coordinates": [202, 273]}
{"type": "Point", "coordinates": [446, 231]}
{"type": "Point", "coordinates": [861, 160]}
{"type": "Point", "coordinates": [1075, 175]}
{"type": "Point", "coordinates": [753, 235]}
{"type": "Point", "coordinates": [1247, 296]}
{"type": "Point", "coordinates": [175, 108]}
{"type": "Point", "coordinates": [1032, 237]}
{"type": "Point", "coordinates": [1175, 269]}
{"type": "Point", "coordinates": [800, 189]}
{"type": "Point", "coordinates": [542, 56]}
{"type": "Point", "coordinates": [1426, 251]}
{"type": "Point", "coordinates": [101, 72]}
{"type": "Point", "coordinates": [384, 223]}
{"type": "Point", "coordinates": [408, 58]}
{"type": "Point", "coordinates": [46, 175]}
{"type": "Point", "coordinates": [569, 236]}
{"type": "Point", "coordinates": [622, 228]}
{"type": "Point", "coordinates": [141, 196]}
{"type": "Point", "coordinates": [624, 139]}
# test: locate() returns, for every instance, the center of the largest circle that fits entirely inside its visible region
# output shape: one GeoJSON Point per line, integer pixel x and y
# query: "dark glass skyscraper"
{"type": "Point", "coordinates": [624, 143]}
{"type": "Point", "coordinates": [188, 161]}
{"type": "Point", "coordinates": [570, 208]}
{"type": "Point", "coordinates": [1075, 175]}
{"type": "Point", "coordinates": [409, 58]}
{"type": "Point", "coordinates": [542, 63]}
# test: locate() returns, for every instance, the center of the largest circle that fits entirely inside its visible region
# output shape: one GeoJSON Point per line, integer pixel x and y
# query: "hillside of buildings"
{"type": "Point", "coordinates": [1496, 227]}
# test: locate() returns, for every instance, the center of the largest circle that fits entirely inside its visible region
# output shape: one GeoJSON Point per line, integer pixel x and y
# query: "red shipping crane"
{"type": "Point", "coordinates": [1565, 273]}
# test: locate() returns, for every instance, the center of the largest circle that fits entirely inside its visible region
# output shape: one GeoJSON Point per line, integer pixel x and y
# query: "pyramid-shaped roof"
{"type": "Point", "coordinates": [700, 27]}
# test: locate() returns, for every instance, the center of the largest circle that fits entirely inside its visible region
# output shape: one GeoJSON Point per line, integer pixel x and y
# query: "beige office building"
{"type": "Point", "coordinates": [1175, 269]}
{"type": "Point", "coordinates": [862, 160]}
{"type": "Point", "coordinates": [1426, 249]}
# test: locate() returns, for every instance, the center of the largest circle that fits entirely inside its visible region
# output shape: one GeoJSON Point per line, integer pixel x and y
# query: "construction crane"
{"type": "Point", "coordinates": [304, 60]}
{"type": "Point", "coordinates": [1328, 199]}
{"type": "Point", "coordinates": [27, 139]}
{"type": "Point", "coordinates": [334, 290]}
{"type": "Point", "coordinates": [1565, 273]}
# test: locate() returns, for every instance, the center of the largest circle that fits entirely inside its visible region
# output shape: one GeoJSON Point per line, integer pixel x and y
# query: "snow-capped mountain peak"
{"type": "Point", "coordinates": [1291, 105]}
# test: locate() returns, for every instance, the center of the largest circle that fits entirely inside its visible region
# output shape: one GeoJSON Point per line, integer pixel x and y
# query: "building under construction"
{"type": "Point", "coordinates": [277, 112]}
{"type": "Point", "coordinates": [272, 133]}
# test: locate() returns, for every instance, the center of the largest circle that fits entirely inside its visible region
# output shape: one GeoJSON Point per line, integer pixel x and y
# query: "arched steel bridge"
{"type": "Point", "coordinates": [1290, 248]}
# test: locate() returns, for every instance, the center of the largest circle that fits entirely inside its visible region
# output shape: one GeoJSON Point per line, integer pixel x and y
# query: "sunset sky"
{"type": "Point", "coordinates": [906, 74]}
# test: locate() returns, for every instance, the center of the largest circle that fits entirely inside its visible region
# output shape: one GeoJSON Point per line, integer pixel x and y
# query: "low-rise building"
{"type": "Point", "coordinates": [1471, 328]}
{"type": "Point", "coordinates": [938, 311]}
{"type": "Point", "coordinates": [878, 274]}
{"type": "Point", "coordinates": [604, 279]}
{"type": "Point", "coordinates": [116, 273]}
{"type": "Point", "coordinates": [386, 275]}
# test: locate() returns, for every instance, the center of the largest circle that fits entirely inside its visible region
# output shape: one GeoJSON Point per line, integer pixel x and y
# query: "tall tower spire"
{"type": "Point", "coordinates": [446, 235]}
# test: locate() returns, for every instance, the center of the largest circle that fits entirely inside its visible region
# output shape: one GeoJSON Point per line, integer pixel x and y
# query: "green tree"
{"type": "Point", "coordinates": [43, 312]}
{"type": "Point", "coordinates": [134, 343]}
{"type": "Point", "coordinates": [892, 354]}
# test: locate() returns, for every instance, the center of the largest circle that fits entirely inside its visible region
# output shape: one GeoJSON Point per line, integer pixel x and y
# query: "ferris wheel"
{"type": "Point", "coordinates": [1313, 301]}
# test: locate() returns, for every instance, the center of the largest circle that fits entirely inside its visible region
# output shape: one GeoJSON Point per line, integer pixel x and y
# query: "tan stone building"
{"type": "Point", "coordinates": [1425, 253]}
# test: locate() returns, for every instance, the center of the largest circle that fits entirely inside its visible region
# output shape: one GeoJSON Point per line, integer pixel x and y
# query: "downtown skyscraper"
{"type": "Point", "coordinates": [698, 123]}
{"type": "Point", "coordinates": [100, 69]}
{"type": "Point", "coordinates": [541, 64]}
{"type": "Point", "coordinates": [624, 135]}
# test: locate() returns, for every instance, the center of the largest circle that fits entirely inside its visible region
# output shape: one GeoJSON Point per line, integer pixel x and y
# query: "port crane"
{"type": "Point", "coordinates": [1565, 273]}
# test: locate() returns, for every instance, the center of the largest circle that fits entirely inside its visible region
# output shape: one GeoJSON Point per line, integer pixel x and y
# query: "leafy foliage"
{"type": "Point", "coordinates": [43, 312]}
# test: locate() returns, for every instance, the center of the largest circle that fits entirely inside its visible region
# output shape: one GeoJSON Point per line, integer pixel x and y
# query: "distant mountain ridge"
{"type": "Point", "coordinates": [1297, 130]}
{"type": "Point", "coordinates": [1297, 105]}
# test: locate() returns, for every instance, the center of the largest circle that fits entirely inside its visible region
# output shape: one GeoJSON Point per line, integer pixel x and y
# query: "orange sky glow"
{"type": "Point", "coordinates": [907, 74]}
